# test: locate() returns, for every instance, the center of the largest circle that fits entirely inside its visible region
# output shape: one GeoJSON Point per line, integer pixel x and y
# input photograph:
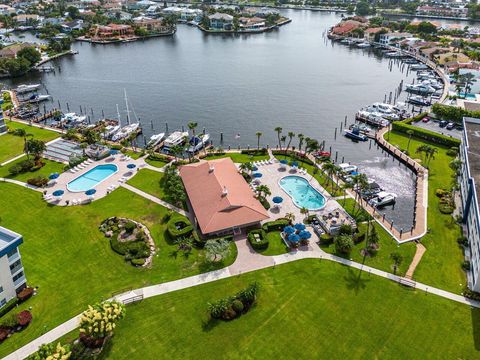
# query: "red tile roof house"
{"type": "Point", "coordinates": [220, 197]}
{"type": "Point", "coordinates": [345, 27]}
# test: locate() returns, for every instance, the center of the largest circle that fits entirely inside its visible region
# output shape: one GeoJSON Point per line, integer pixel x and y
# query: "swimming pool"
{"type": "Point", "coordinates": [92, 178]}
{"type": "Point", "coordinates": [302, 193]}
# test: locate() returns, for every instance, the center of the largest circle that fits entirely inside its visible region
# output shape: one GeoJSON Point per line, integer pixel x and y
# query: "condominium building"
{"type": "Point", "coordinates": [12, 276]}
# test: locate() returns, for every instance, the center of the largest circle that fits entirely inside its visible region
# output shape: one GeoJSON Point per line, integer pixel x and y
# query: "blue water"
{"type": "Point", "coordinates": [302, 193]}
{"type": "Point", "coordinates": [92, 178]}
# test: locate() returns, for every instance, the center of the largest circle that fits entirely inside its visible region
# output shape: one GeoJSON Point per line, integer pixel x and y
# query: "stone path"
{"type": "Point", "coordinates": [246, 262]}
{"type": "Point", "coordinates": [155, 199]}
{"type": "Point", "coordinates": [12, 159]}
{"type": "Point", "coordinates": [416, 260]}
{"type": "Point", "coordinates": [16, 182]}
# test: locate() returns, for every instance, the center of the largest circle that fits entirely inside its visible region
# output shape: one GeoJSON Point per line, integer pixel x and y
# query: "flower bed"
{"type": "Point", "coordinates": [130, 239]}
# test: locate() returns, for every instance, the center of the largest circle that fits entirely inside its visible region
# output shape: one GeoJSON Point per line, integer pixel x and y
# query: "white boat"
{"type": "Point", "coordinates": [21, 89]}
{"type": "Point", "coordinates": [125, 132]}
{"type": "Point", "coordinates": [110, 130]}
{"type": "Point", "coordinates": [372, 118]}
{"type": "Point", "coordinates": [174, 139]}
{"type": "Point", "coordinates": [155, 140]}
{"type": "Point", "coordinates": [363, 45]}
{"type": "Point", "coordinates": [198, 142]}
{"type": "Point", "coordinates": [420, 89]}
{"type": "Point", "coordinates": [383, 198]}
{"type": "Point", "coordinates": [39, 98]}
{"type": "Point", "coordinates": [419, 100]}
{"type": "Point", "coordinates": [417, 67]}
{"type": "Point", "coordinates": [347, 168]}
{"type": "Point", "coordinates": [384, 110]}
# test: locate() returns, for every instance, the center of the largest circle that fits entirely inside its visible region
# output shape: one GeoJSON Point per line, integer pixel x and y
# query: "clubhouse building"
{"type": "Point", "coordinates": [221, 200]}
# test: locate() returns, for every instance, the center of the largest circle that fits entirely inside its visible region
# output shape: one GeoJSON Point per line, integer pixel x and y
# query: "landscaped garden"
{"type": "Point", "coordinates": [30, 170]}
{"type": "Point", "coordinates": [72, 263]}
{"type": "Point", "coordinates": [339, 311]}
{"type": "Point", "coordinates": [238, 157]}
{"type": "Point", "coordinates": [268, 239]}
{"type": "Point", "coordinates": [12, 145]}
{"type": "Point", "coordinates": [441, 263]}
{"type": "Point", "coordinates": [158, 161]}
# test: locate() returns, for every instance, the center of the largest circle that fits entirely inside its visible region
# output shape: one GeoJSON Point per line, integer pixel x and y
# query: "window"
{"type": "Point", "coordinates": [15, 264]}
{"type": "Point", "coordinates": [3, 302]}
{"type": "Point", "coordinates": [1, 289]}
{"type": "Point", "coordinates": [13, 252]}
{"type": "Point", "coordinates": [18, 276]}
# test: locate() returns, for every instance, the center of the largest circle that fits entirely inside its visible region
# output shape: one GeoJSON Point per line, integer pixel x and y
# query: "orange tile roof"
{"type": "Point", "coordinates": [220, 196]}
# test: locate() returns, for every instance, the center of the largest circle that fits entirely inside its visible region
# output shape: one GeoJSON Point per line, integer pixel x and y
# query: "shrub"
{"type": "Point", "coordinates": [130, 249]}
{"type": "Point", "coordinates": [130, 227]}
{"type": "Point", "coordinates": [8, 306]}
{"type": "Point", "coordinates": [264, 202]}
{"type": "Point", "coordinates": [179, 227]}
{"type": "Point", "coordinates": [3, 334]}
{"type": "Point", "coordinates": [276, 225]}
{"type": "Point", "coordinates": [9, 321]}
{"type": "Point", "coordinates": [424, 134]}
{"type": "Point", "coordinates": [238, 306]}
{"type": "Point", "coordinates": [345, 229]}
{"type": "Point", "coordinates": [416, 118]}
{"type": "Point", "coordinates": [463, 240]}
{"type": "Point", "coordinates": [258, 244]}
{"type": "Point", "coordinates": [39, 181]}
{"type": "Point", "coordinates": [441, 192]}
{"type": "Point", "coordinates": [453, 151]}
{"type": "Point", "coordinates": [446, 208]}
{"type": "Point", "coordinates": [343, 244]}
{"type": "Point", "coordinates": [138, 262]}
{"type": "Point", "coordinates": [326, 239]}
{"type": "Point", "coordinates": [24, 318]}
{"type": "Point", "coordinates": [262, 151]}
{"type": "Point", "coordinates": [466, 265]}
{"type": "Point", "coordinates": [471, 294]}
{"type": "Point", "coordinates": [99, 320]}
{"type": "Point", "coordinates": [25, 294]}
{"type": "Point", "coordinates": [21, 167]}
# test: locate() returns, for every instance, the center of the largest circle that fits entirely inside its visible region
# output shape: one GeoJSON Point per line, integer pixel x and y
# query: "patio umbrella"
{"type": "Point", "coordinates": [299, 226]}
{"type": "Point", "coordinates": [254, 168]}
{"type": "Point", "coordinates": [288, 229]}
{"type": "Point", "coordinates": [58, 193]}
{"type": "Point", "coordinates": [54, 176]}
{"type": "Point", "coordinates": [305, 235]}
{"type": "Point", "coordinates": [90, 192]}
{"type": "Point", "coordinates": [131, 166]}
{"type": "Point", "coordinates": [294, 164]}
{"type": "Point", "coordinates": [257, 175]}
{"type": "Point", "coordinates": [277, 199]}
{"type": "Point", "coordinates": [293, 238]}
{"type": "Point", "coordinates": [113, 152]}
{"type": "Point", "coordinates": [284, 162]}
{"type": "Point", "coordinates": [353, 173]}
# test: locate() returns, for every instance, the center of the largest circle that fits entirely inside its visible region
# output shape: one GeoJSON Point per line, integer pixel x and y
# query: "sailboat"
{"type": "Point", "coordinates": [128, 129]}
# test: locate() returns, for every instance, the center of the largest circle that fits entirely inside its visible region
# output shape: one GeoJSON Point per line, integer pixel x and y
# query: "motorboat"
{"type": "Point", "coordinates": [25, 88]}
{"type": "Point", "coordinates": [383, 198]}
{"type": "Point", "coordinates": [198, 142]}
{"type": "Point", "coordinates": [372, 118]}
{"type": "Point", "coordinates": [347, 168]}
{"type": "Point", "coordinates": [419, 100]}
{"type": "Point", "coordinates": [322, 154]}
{"type": "Point", "coordinates": [174, 139]}
{"type": "Point", "coordinates": [155, 140]}
{"type": "Point", "coordinates": [38, 98]}
{"type": "Point", "coordinates": [363, 45]}
{"type": "Point", "coordinates": [73, 119]}
{"type": "Point", "coordinates": [110, 130]}
{"type": "Point", "coordinates": [384, 110]}
{"type": "Point", "coordinates": [394, 54]}
{"type": "Point", "coordinates": [420, 89]}
{"type": "Point", "coordinates": [355, 134]}
{"type": "Point", "coordinates": [416, 67]}
{"type": "Point", "coordinates": [400, 107]}
{"type": "Point", "coordinates": [363, 128]}
{"type": "Point", "coordinates": [371, 189]}
{"type": "Point", "coordinates": [125, 131]}
{"type": "Point", "coordinates": [410, 61]}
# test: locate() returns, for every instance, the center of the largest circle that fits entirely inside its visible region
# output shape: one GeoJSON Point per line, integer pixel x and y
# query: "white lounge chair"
{"type": "Point", "coordinates": [73, 171]}
{"type": "Point", "coordinates": [74, 202]}
{"type": "Point", "coordinates": [47, 197]}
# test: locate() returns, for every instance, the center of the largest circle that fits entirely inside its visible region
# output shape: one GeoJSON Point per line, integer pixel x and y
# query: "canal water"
{"type": "Point", "coordinates": [292, 77]}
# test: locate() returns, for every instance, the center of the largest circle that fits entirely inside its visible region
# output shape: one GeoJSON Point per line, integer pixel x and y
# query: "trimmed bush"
{"type": "Point", "coordinates": [446, 208]}
{"type": "Point", "coordinates": [179, 227]}
{"type": "Point", "coordinates": [264, 202]}
{"type": "Point", "coordinates": [258, 244]}
{"type": "Point", "coordinates": [129, 227]}
{"type": "Point", "coordinates": [326, 239]}
{"type": "Point", "coordinates": [276, 225]}
{"type": "Point", "coordinates": [262, 151]}
{"type": "Point", "coordinates": [25, 294]}
{"type": "Point", "coordinates": [39, 181]}
{"type": "Point", "coordinates": [424, 134]}
{"type": "Point", "coordinates": [416, 118]}
{"type": "Point", "coordinates": [24, 318]}
{"type": "Point", "coordinates": [21, 167]}
{"type": "Point", "coordinates": [138, 262]}
{"type": "Point", "coordinates": [237, 306]}
{"type": "Point", "coordinates": [8, 306]}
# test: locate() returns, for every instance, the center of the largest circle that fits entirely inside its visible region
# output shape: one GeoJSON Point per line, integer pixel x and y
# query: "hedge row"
{"type": "Point", "coordinates": [294, 156]}
{"type": "Point", "coordinates": [276, 225]}
{"type": "Point", "coordinates": [426, 134]}
{"type": "Point", "coordinates": [416, 118]}
{"type": "Point", "coordinates": [261, 151]}
{"type": "Point", "coordinates": [176, 233]}
{"type": "Point", "coordinates": [258, 244]}
{"type": "Point", "coordinates": [453, 113]}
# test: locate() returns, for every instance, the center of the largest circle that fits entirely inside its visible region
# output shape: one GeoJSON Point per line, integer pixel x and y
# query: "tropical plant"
{"type": "Point", "coordinates": [217, 249]}
{"type": "Point", "coordinates": [397, 260]}
{"type": "Point", "coordinates": [176, 151]}
{"type": "Point", "coordinates": [263, 190]}
{"type": "Point", "coordinates": [300, 141]}
{"type": "Point", "coordinates": [410, 134]}
{"type": "Point", "coordinates": [278, 130]}
{"type": "Point", "coordinates": [35, 147]}
{"type": "Point", "coordinates": [246, 167]}
{"type": "Point", "coordinates": [100, 320]}
{"type": "Point", "coordinates": [290, 216]}
{"type": "Point", "coordinates": [22, 133]}
{"type": "Point", "coordinates": [52, 352]}
{"type": "Point", "coordinates": [291, 135]}
{"type": "Point", "coordinates": [304, 211]}
{"type": "Point", "coordinates": [343, 244]}
{"type": "Point", "coordinates": [192, 126]}
{"type": "Point", "coordinates": [259, 135]}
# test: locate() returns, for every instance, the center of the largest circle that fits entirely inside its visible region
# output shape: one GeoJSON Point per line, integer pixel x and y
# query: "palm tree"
{"type": "Point", "coordinates": [300, 141]}
{"type": "Point", "coordinates": [291, 134]}
{"type": "Point", "coordinates": [21, 132]}
{"type": "Point", "coordinates": [192, 126]}
{"type": "Point", "coordinates": [431, 153]}
{"type": "Point", "coordinates": [410, 134]}
{"type": "Point", "coordinates": [35, 147]}
{"type": "Point", "coordinates": [83, 146]}
{"type": "Point", "coordinates": [469, 80]}
{"type": "Point", "coordinates": [329, 168]}
{"type": "Point", "coordinates": [176, 150]}
{"type": "Point", "coordinates": [360, 182]}
{"type": "Point", "coordinates": [304, 211]}
{"type": "Point", "coordinates": [397, 260]}
{"type": "Point", "coordinates": [283, 139]}
{"type": "Point", "coordinates": [422, 149]}
{"type": "Point", "coordinates": [345, 187]}
{"type": "Point", "coordinates": [263, 190]}
{"type": "Point", "coordinates": [278, 129]}
{"type": "Point", "coordinates": [259, 135]}
{"type": "Point", "coordinates": [290, 216]}
{"type": "Point", "coordinates": [246, 167]}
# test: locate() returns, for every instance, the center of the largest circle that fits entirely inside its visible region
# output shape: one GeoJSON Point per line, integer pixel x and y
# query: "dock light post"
{"type": "Point", "coordinates": [229, 148]}
{"type": "Point", "coordinates": [411, 230]}
{"type": "Point", "coordinates": [391, 225]}
{"type": "Point", "coordinates": [401, 232]}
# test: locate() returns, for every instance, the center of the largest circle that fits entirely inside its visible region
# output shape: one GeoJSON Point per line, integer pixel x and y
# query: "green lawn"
{"type": "Point", "coordinates": [239, 158]}
{"type": "Point", "coordinates": [134, 154]}
{"type": "Point", "coordinates": [308, 309]}
{"type": "Point", "coordinates": [150, 181]}
{"type": "Point", "coordinates": [320, 176]}
{"type": "Point", "coordinates": [46, 170]}
{"type": "Point", "coordinates": [276, 246]}
{"type": "Point", "coordinates": [70, 260]}
{"type": "Point", "coordinates": [11, 145]}
{"type": "Point", "coordinates": [441, 264]}
{"type": "Point", "coordinates": [156, 162]}
{"type": "Point", "coordinates": [358, 213]}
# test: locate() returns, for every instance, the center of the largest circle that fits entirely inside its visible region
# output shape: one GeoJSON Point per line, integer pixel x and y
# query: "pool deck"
{"type": "Point", "coordinates": [70, 197]}
{"type": "Point", "coordinates": [272, 174]}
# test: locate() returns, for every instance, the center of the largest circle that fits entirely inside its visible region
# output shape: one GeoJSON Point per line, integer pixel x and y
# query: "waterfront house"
{"type": "Point", "coordinates": [221, 200]}
{"type": "Point", "coordinates": [27, 19]}
{"type": "Point", "coordinates": [12, 275]}
{"type": "Point", "coordinates": [369, 34]}
{"type": "Point", "coordinates": [443, 11]}
{"type": "Point", "coordinates": [450, 56]}
{"type": "Point", "coordinates": [119, 15]}
{"type": "Point", "coordinates": [7, 10]}
{"type": "Point", "coordinates": [111, 31]}
{"type": "Point", "coordinates": [253, 23]}
{"type": "Point", "coordinates": [77, 24]}
{"type": "Point", "coordinates": [151, 25]}
{"type": "Point", "coordinates": [221, 21]}
{"type": "Point", "coordinates": [11, 51]}
{"type": "Point", "coordinates": [345, 27]}
{"type": "Point", "coordinates": [392, 37]}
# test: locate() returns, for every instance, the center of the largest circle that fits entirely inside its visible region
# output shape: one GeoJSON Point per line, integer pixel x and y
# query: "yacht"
{"type": "Point", "coordinates": [38, 98]}
{"type": "Point", "coordinates": [384, 110]}
{"type": "Point", "coordinates": [174, 139]}
{"type": "Point", "coordinates": [372, 118]}
{"type": "Point", "coordinates": [363, 128]}
{"type": "Point", "coordinates": [410, 61]}
{"type": "Point", "coordinates": [198, 142]}
{"type": "Point", "coordinates": [419, 100]}
{"type": "Point", "coordinates": [125, 131]}
{"type": "Point", "coordinates": [110, 130]}
{"type": "Point", "coordinates": [355, 134]}
{"type": "Point", "coordinates": [383, 198]}
{"type": "Point", "coordinates": [155, 140]}
{"type": "Point", "coordinates": [416, 67]}
{"type": "Point", "coordinates": [347, 168]}
{"type": "Point", "coordinates": [420, 89]}
{"type": "Point", "coordinates": [363, 45]}
{"type": "Point", "coordinates": [21, 89]}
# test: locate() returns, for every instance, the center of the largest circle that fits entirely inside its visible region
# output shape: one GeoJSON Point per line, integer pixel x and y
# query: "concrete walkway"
{"type": "Point", "coordinates": [155, 199]}
{"type": "Point", "coordinates": [416, 260]}
{"type": "Point", "coordinates": [16, 182]}
{"type": "Point", "coordinates": [246, 262]}
{"type": "Point", "coordinates": [12, 159]}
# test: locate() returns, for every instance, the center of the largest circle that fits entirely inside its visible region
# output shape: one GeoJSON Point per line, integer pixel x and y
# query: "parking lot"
{"type": "Point", "coordinates": [434, 125]}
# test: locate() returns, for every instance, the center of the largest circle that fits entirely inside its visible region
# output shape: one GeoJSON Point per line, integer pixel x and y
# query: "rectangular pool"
{"type": "Point", "coordinates": [92, 178]}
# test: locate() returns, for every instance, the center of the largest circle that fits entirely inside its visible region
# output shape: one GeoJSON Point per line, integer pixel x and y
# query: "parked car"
{"type": "Point", "coordinates": [450, 126]}
{"type": "Point", "coordinates": [426, 119]}
{"type": "Point", "coordinates": [443, 123]}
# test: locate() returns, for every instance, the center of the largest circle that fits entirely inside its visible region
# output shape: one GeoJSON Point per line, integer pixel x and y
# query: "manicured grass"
{"type": "Point", "coordinates": [70, 260]}
{"type": "Point", "coordinates": [308, 309]}
{"type": "Point", "coordinates": [151, 182]}
{"type": "Point", "coordinates": [320, 176]}
{"type": "Point", "coordinates": [156, 162]}
{"type": "Point", "coordinates": [45, 171]}
{"type": "Point", "coordinates": [441, 264]}
{"type": "Point", "coordinates": [276, 246]}
{"type": "Point", "coordinates": [11, 145]}
{"type": "Point", "coordinates": [358, 213]}
{"type": "Point", "coordinates": [134, 154]}
{"type": "Point", "coordinates": [239, 158]}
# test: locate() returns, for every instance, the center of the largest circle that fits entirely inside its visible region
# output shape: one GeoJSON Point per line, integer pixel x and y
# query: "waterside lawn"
{"type": "Point", "coordinates": [441, 263]}
{"type": "Point", "coordinates": [306, 309]}
{"type": "Point", "coordinates": [44, 171]}
{"type": "Point", "coordinates": [238, 157]}
{"type": "Point", "coordinates": [11, 145]}
{"type": "Point", "coordinates": [156, 162]}
{"type": "Point", "coordinates": [71, 261]}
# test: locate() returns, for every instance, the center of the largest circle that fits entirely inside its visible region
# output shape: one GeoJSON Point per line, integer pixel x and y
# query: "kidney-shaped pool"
{"type": "Point", "coordinates": [302, 193]}
{"type": "Point", "coordinates": [92, 178]}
